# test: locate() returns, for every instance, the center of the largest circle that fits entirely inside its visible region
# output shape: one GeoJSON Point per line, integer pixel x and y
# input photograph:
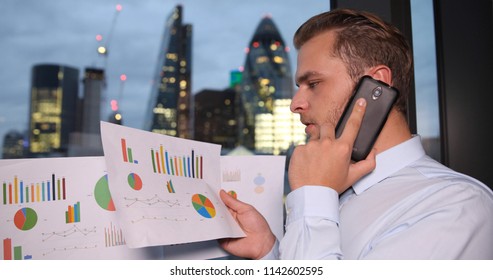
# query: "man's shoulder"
{"type": "Point", "coordinates": [428, 178]}
{"type": "Point", "coordinates": [439, 180]}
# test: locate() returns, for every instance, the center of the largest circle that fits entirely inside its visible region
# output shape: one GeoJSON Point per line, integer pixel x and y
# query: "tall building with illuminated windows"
{"type": "Point", "coordinates": [267, 126]}
{"type": "Point", "coordinates": [169, 110]}
{"type": "Point", "coordinates": [53, 111]}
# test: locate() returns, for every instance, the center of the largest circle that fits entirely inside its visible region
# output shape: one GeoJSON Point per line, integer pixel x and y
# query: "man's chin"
{"type": "Point", "coordinates": [310, 130]}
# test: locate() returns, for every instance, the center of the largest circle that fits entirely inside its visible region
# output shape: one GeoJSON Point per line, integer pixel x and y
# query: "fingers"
{"type": "Point", "coordinates": [354, 122]}
{"type": "Point", "coordinates": [231, 202]}
{"type": "Point", "coordinates": [363, 167]}
{"type": "Point", "coordinates": [350, 130]}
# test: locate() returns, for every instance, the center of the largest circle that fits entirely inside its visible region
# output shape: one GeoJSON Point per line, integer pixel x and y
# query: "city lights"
{"type": "Point", "coordinates": [173, 80]}
{"type": "Point", "coordinates": [114, 105]}
{"type": "Point", "coordinates": [102, 50]}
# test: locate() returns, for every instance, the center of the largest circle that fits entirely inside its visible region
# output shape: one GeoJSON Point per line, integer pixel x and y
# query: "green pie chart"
{"type": "Point", "coordinates": [102, 194]}
{"type": "Point", "coordinates": [25, 218]}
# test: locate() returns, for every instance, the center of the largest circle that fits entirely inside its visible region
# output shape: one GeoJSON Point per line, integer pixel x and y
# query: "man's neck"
{"type": "Point", "coordinates": [394, 132]}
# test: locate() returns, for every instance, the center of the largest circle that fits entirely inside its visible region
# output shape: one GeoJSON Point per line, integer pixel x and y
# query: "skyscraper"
{"type": "Point", "coordinates": [215, 118]}
{"type": "Point", "coordinates": [169, 110]}
{"type": "Point", "coordinates": [91, 103]}
{"type": "Point", "coordinates": [13, 145]}
{"type": "Point", "coordinates": [266, 124]}
{"type": "Point", "coordinates": [86, 140]}
{"type": "Point", "coordinates": [53, 111]}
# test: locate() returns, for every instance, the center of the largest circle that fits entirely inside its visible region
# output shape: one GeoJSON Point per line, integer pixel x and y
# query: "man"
{"type": "Point", "coordinates": [397, 203]}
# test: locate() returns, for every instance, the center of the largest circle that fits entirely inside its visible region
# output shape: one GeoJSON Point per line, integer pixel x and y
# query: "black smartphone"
{"type": "Point", "coordinates": [380, 97]}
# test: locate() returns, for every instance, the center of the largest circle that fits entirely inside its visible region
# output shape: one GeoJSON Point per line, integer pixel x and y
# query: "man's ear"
{"type": "Point", "coordinates": [382, 73]}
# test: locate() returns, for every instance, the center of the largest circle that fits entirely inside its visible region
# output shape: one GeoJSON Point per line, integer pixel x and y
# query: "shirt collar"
{"type": "Point", "coordinates": [390, 161]}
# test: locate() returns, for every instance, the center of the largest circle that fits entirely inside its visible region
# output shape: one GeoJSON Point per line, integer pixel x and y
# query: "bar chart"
{"type": "Point", "coordinates": [127, 152]}
{"type": "Point", "coordinates": [16, 191]}
{"type": "Point", "coordinates": [190, 166]}
{"type": "Point", "coordinates": [72, 215]}
{"type": "Point", "coordinates": [231, 175]}
{"type": "Point", "coordinates": [169, 187]}
{"type": "Point", "coordinates": [13, 252]}
{"type": "Point", "coordinates": [113, 236]}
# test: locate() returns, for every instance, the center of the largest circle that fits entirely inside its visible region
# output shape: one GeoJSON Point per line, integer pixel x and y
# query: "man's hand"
{"type": "Point", "coordinates": [259, 238]}
{"type": "Point", "coordinates": [326, 161]}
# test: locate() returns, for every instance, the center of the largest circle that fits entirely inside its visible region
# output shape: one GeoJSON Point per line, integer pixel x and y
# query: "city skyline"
{"type": "Point", "coordinates": [43, 33]}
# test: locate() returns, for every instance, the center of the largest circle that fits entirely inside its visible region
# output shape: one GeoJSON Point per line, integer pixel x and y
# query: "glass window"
{"type": "Point", "coordinates": [425, 74]}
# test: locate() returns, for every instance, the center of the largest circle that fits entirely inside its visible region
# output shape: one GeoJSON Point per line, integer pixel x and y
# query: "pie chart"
{"type": "Point", "coordinates": [102, 194]}
{"type": "Point", "coordinates": [134, 181]}
{"type": "Point", "coordinates": [203, 206]}
{"type": "Point", "coordinates": [25, 218]}
{"type": "Point", "coordinates": [233, 194]}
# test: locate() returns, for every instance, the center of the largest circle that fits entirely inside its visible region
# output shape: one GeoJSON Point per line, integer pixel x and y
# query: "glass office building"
{"type": "Point", "coordinates": [266, 125]}
{"type": "Point", "coordinates": [53, 112]}
{"type": "Point", "coordinates": [170, 101]}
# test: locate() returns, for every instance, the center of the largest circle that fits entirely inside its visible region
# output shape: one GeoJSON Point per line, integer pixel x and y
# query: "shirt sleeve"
{"type": "Point", "coordinates": [312, 224]}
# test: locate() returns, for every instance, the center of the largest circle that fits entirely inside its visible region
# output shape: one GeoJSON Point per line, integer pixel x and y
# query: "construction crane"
{"type": "Point", "coordinates": [103, 50]}
{"type": "Point", "coordinates": [115, 115]}
{"type": "Point", "coordinates": [104, 46]}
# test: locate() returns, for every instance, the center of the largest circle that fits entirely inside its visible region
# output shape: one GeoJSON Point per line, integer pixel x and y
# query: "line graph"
{"type": "Point", "coordinates": [152, 201]}
{"type": "Point", "coordinates": [70, 248]}
{"type": "Point", "coordinates": [158, 218]}
{"type": "Point", "coordinates": [69, 232]}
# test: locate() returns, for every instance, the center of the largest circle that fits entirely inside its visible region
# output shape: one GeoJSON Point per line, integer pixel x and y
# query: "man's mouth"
{"type": "Point", "coordinates": [309, 128]}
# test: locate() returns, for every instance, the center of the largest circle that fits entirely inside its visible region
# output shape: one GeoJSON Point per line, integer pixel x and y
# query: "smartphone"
{"type": "Point", "coordinates": [380, 97]}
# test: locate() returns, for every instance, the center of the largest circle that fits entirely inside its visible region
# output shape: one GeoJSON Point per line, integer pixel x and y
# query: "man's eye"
{"type": "Point", "coordinates": [312, 84]}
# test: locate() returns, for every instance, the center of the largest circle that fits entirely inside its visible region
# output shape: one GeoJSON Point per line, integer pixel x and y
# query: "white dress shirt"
{"type": "Point", "coordinates": [409, 207]}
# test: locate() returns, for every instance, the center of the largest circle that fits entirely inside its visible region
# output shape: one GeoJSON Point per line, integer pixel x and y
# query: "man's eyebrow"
{"type": "Point", "coordinates": [305, 76]}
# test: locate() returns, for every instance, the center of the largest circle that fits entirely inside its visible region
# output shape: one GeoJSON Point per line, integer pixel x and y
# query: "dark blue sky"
{"type": "Point", "coordinates": [64, 32]}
